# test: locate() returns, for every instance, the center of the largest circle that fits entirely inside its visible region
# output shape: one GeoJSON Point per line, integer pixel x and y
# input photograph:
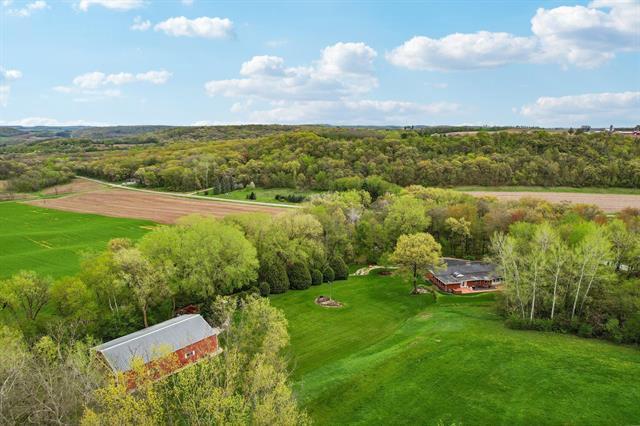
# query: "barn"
{"type": "Point", "coordinates": [461, 276]}
{"type": "Point", "coordinates": [189, 337]}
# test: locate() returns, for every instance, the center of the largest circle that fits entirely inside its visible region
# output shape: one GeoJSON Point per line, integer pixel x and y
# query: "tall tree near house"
{"type": "Point", "coordinates": [558, 256]}
{"type": "Point", "coordinates": [406, 215]}
{"type": "Point", "coordinates": [147, 283]}
{"type": "Point", "coordinates": [415, 254]}
{"type": "Point", "coordinates": [508, 259]}
{"type": "Point", "coordinates": [460, 228]}
{"type": "Point", "coordinates": [591, 256]}
{"type": "Point", "coordinates": [543, 239]}
{"type": "Point", "coordinates": [26, 292]}
{"type": "Point", "coordinates": [622, 241]}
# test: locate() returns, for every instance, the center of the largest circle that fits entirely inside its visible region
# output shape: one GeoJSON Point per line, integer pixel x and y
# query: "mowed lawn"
{"type": "Point", "coordinates": [264, 195]}
{"type": "Point", "coordinates": [51, 242]}
{"type": "Point", "coordinates": [391, 358]}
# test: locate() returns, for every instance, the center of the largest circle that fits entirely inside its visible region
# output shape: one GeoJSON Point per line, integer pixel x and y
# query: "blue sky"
{"type": "Point", "coordinates": [558, 63]}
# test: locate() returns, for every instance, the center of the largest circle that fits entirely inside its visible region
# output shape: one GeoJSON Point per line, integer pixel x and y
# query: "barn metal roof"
{"type": "Point", "coordinates": [167, 336]}
{"type": "Point", "coordinates": [459, 270]}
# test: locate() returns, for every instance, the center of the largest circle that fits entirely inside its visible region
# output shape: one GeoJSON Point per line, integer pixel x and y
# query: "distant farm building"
{"type": "Point", "coordinates": [464, 276]}
{"type": "Point", "coordinates": [188, 338]}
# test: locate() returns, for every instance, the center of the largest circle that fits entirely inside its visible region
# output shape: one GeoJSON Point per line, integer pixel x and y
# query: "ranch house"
{"type": "Point", "coordinates": [188, 337]}
{"type": "Point", "coordinates": [463, 276]}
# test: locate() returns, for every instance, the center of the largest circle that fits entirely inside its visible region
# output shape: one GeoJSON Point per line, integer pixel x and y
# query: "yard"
{"type": "Point", "coordinates": [391, 358]}
{"type": "Point", "coordinates": [264, 195]}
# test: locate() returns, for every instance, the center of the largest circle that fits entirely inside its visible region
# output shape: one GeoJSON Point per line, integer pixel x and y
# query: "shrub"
{"type": "Point", "coordinates": [585, 330]}
{"type": "Point", "coordinates": [340, 269]}
{"type": "Point", "coordinates": [265, 290]}
{"type": "Point", "coordinates": [316, 277]}
{"type": "Point", "coordinates": [613, 330]}
{"type": "Point", "coordinates": [274, 273]}
{"type": "Point", "coordinates": [291, 198]}
{"type": "Point", "coordinates": [251, 196]}
{"type": "Point", "coordinates": [328, 275]}
{"type": "Point", "coordinates": [299, 276]}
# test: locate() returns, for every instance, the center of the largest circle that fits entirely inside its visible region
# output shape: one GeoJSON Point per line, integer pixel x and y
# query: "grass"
{"type": "Point", "coordinates": [263, 195]}
{"type": "Point", "coordinates": [391, 358]}
{"type": "Point", "coordinates": [586, 190]}
{"type": "Point", "coordinates": [51, 242]}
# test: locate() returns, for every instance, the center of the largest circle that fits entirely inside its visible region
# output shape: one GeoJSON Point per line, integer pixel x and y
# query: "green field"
{"type": "Point", "coordinates": [587, 190]}
{"type": "Point", "coordinates": [51, 242]}
{"type": "Point", "coordinates": [263, 195]}
{"type": "Point", "coordinates": [391, 358]}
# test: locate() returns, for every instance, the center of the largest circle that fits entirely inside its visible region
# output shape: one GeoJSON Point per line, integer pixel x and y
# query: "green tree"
{"type": "Point", "coordinates": [299, 276]}
{"type": "Point", "coordinates": [415, 254]}
{"type": "Point", "coordinates": [25, 293]}
{"type": "Point", "coordinates": [148, 284]}
{"type": "Point", "coordinates": [406, 215]}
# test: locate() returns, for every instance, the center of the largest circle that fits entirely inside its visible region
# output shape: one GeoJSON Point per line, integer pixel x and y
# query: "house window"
{"type": "Point", "coordinates": [190, 354]}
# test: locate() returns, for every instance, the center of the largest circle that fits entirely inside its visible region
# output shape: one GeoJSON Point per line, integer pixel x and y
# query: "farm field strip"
{"type": "Point", "coordinates": [609, 203]}
{"type": "Point", "coordinates": [149, 205]}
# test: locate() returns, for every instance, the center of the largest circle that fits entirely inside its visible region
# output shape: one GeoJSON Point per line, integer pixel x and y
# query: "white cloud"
{"type": "Point", "coordinates": [6, 74]}
{"type": "Point", "coordinates": [584, 109]}
{"type": "Point", "coordinates": [5, 91]}
{"type": "Point", "coordinates": [187, 2]}
{"type": "Point", "coordinates": [462, 51]}
{"type": "Point", "coordinates": [97, 85]}
{"type": "Point", "coordinates": [45, 121]}
{"type": "Point", "coordinates": [329, 90]}
{"type": "Point", "coordinates": [95, 79]}
{"type": "Point", "coordinates": [214, 28]}
{"type": "Point", "coordinates": [569, 35]}
{"type": "Point", "coordinates": [344, 69]}
{"type": "Point", "coordinates": [139, 24]}
{"type": "Point", "coordinates": [28, 8]}
{"type": "Point", "coordinates": [111, 4]}
{"type": "Point", "coordinates": [587, 36]}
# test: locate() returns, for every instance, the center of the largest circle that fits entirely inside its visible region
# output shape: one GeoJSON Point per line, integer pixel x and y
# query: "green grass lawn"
{"type": "Point", "coordinates": [391, 358]}
{"type": "Point", "coordinates": [588, 190]}
{"type": "Point", "coordinates": [263, 195]}
{"type": "Point", "coordinates": [51, 242]}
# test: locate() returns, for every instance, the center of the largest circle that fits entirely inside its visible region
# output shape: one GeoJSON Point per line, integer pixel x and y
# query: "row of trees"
{"type": "Point", "coordinates": [571, 275]}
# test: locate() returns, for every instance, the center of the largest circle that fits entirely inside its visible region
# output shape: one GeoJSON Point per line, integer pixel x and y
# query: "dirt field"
{"type": "Point", "coordinates": [160, 208]}
{"type": "Point", "coordinates": [76, 185]}
{"type": "Point", "coordinates": [610, 203]}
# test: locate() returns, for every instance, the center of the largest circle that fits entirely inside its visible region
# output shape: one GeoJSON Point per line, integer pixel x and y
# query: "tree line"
{"type": "Point", "coordinates": [317, 160]}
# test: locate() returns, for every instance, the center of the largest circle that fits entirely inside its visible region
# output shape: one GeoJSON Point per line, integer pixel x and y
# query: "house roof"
{"type": "Point", "coordinates": [170, 335]}
{"type": "Point", "coordinates": [459, 270]}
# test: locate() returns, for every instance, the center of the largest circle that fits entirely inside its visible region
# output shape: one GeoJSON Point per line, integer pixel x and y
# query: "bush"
{"type": "Point", "coordinates": [613, 330]}
{"type": "Point", "coordinates": [585, 330]}
{"type": "Point", "coordinates": [316, 277]}
{"type": "Point", "coordinates": [265, 290]}
{"type": "Point", "coordinates": [251, 196]}
{"type": "Point", "coordinates": [519, 323]}
{"type": "Point", "coordinates": [328, 275]}
{"type": "Point", "coordinates": [339, 268]}
{"type": "Point", "coordinates": [274, 273]}
{"type": "Point", "coordinates": [291, 198]}
{"type": "Point", "coordinates": [299, 276]}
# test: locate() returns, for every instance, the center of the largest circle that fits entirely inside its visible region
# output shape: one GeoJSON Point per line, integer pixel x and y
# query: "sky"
{"type": "Point", "coordinates": [196, 62]}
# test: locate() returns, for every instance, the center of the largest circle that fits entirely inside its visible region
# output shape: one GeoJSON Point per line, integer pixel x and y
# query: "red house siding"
{"type": "Point", "coordinates": [196, 351]}
{"type": "Point", "coordinates": [185, 356]}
